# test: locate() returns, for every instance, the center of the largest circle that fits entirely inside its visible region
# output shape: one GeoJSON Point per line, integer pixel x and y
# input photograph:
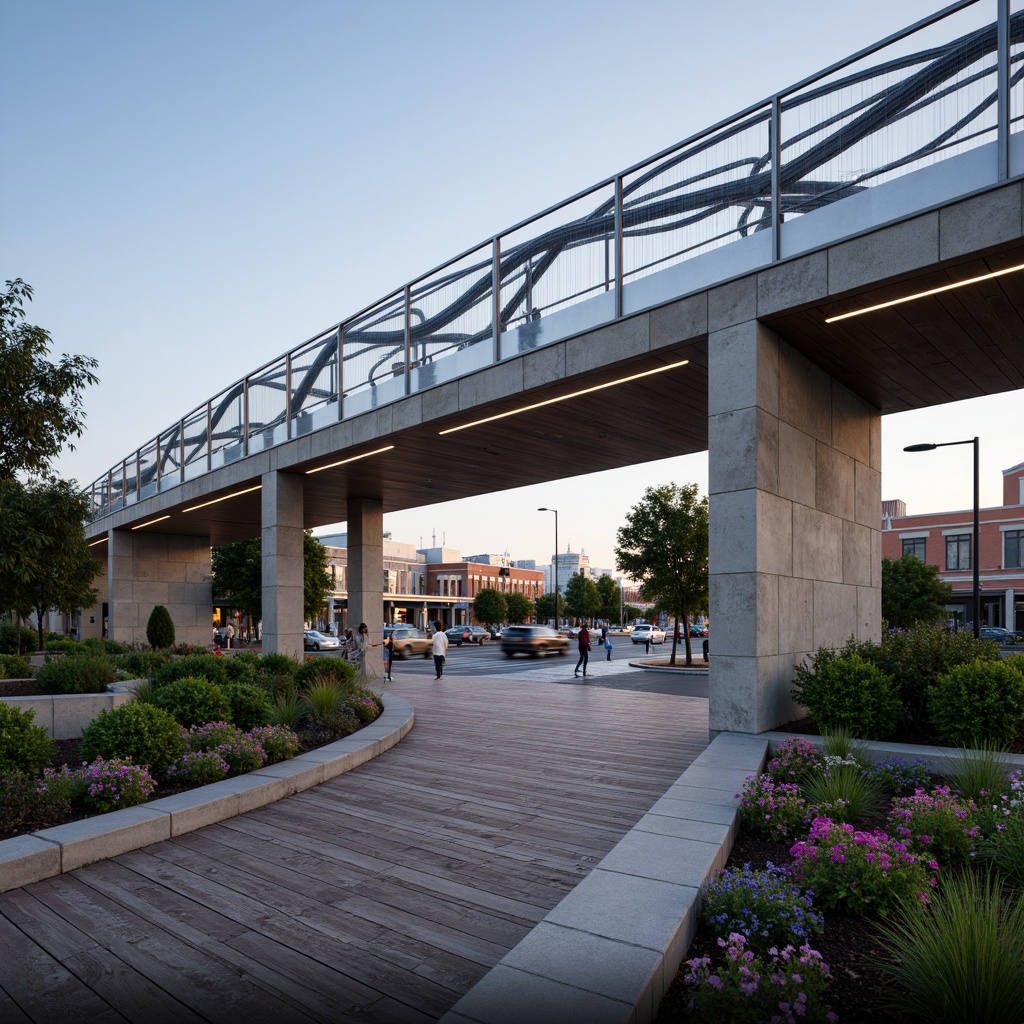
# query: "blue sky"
{"type": "Point", "coordinates": [194, 187]}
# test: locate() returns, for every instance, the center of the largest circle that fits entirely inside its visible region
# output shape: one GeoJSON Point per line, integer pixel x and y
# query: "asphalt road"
{"type": "Point", "coordinates": [488, 660]}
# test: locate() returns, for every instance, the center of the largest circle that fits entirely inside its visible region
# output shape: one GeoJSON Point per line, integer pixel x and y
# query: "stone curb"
{"type": "Point", "coordinates": [53, 851]}
{"type": "Point", "coordinates": [610, 950]}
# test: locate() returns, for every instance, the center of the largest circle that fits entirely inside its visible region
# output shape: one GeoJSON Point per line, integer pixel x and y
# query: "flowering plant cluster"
{"type": "Point", "coordinates": [240, 750]}
{"type": "Point", "coordinates": [766, 906]}
{"type": "Point", "coordinates": [198, 768]}
{"type": "Point", "coordinates": [770, 808]}
{"type": "Point", "coordinates": [278, 742]}
{"type": "Point", "coordinates": [787, 987]}
{"type": "Point", "coordinates": [860, 872]}
{"type": "Point", "coordinates": [794, 759]}
{"type": "Point", "coordinates": [939, 823]}
{"type": "Point", "coordinates": [894, 775]}
{"type": "Point", "coordinates": [112, 784]}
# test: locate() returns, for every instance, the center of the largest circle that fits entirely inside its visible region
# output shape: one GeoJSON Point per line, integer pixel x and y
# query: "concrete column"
{"type": "Point", "coordinates": [145, 569]}
{"type": "Point", "coordinates": [366, 574]}
{"type": "Point", "coordinates": [282, 535]}
{"type": "Point", "coordinates": [795, 542]}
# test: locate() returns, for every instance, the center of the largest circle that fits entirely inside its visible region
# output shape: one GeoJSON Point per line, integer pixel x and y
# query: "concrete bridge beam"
{"type": "Point", "coordinates": [795, 545]}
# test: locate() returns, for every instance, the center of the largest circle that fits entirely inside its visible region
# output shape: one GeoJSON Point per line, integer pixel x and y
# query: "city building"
{"type": "Point", "coordinates": [945, 539]}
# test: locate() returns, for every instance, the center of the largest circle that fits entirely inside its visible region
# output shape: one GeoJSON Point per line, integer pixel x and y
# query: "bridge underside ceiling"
{"type": "Point", "coordinates": [963, 343]}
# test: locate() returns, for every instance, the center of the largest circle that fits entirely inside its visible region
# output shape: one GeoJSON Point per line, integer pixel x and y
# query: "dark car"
{"type": "Point", "coordinates": [997, 633]}
{"type": "Point", "coordinates": [696, 629]}
{"type": "Point", "coordinates": [460, 635]}
{"type": "Point", "coordinates": [409, 641]}
{"type": "Point", "coordinates": [537, 641]}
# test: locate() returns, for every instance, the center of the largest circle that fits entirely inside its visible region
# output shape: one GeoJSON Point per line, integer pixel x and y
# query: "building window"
{"type": "Point", "coordinates": [1013, 549]}
{"type": "Point", "coordinates": [914, 546]}
{"type": "Point", "coordinates": [958, 551]}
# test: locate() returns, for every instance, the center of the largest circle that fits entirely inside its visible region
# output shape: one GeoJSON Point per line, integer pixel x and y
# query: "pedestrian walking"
{"type": "Point", "coordinates": [230, 634]}
{"type": "Point", "coordinates": [584, 645]}
{"type": "Point", "coordinates": [440, 642]}
{"type": "Point", "coordinates": [607, 645]}
{"type": "Point", "coordinates": [361, 641]}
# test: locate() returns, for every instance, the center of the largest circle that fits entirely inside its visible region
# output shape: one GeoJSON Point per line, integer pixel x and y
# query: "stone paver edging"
{"type": "Point", "coordinates": [610, 950]}
{"type": "Point", "coordinates": [53, 851]}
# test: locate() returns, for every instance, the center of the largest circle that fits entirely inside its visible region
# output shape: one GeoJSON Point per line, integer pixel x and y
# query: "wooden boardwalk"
{"type": "Point", "coordinates": [380, 896]}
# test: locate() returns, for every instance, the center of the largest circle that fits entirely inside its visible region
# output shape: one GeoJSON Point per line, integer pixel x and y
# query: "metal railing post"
{"type": "Point", "coordinates": [341, 367]}
{"type": "Point", "coordinates": [408, 339]}
{"type": "Point", "coordinates": [775, 148]}
{"type": "Point", "coordinates": [288, 394]}
{"type": "Point", "coordinates": [496, 296]}
{"type": "Point", "coordinates": [1003, 87]}
{"type": "Point", "coordinates": [618, 247]}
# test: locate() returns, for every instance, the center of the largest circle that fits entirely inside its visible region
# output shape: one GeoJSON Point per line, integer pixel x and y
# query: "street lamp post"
{"type": "Point", "coordinates": [976, 542]}
{"type": "Point", "coordinates": [557, 590]}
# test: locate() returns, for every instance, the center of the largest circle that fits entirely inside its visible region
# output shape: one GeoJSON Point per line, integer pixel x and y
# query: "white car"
{"type": "Point", "coordinates": [646, 632]}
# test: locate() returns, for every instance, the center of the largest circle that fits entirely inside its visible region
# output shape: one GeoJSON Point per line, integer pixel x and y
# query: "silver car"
{"type": "Point", "coordinates": [313, 640]}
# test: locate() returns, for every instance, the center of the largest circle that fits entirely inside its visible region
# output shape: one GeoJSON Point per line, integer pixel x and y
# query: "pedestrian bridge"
{"type": "Point", "coordinates": [766, 290]}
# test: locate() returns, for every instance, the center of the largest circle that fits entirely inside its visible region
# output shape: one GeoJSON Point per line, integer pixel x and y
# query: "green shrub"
{"type": "Point", "coordinates": [240, 668]}
{"type": "Point", "coordinates": [850, 693]}
{"type": "Point", "coordinates": [28, 803]}
{"type": "Point", "coordinates": [916, 657]}
{"type": "Point", "coordinates": [326, 669]}
{"type": "Point", "coordinates": [83, 673]}
{"type": "Point", "coordinates": [160, 628]}
{"type": "Point", "coordinates": [207, 666]}
{"type": "Point", "coordinates": [979, 702]}
{"type": "Point", "coordinates": [100, 645]}
{"type": "Point", "coordinates": [17, 640]}
{"type": "Point", "coordinates": [142, 733]}
{"type": "Point", "coordinates": [24, 746]}
{"type": "Point", "coordinates": [287, 709]}
{"type": "Point", "coordinates": [250, 706]}
{"type": "Point", "coordinates": [961, 961]}
{"type": "Point", "coordinates": [193, 701]}
{"type": "Point", "coordinates": [13, 666]}
{"type": "Point", "coordinates": [62, 645]}
{"type": "Point", "coordinates": [141, 664]}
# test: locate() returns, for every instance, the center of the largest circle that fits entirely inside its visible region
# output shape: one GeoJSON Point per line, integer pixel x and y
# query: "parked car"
{"type": "Point", "coordinates": [409, 641]}
{"type": "Point", "coordinates": [459, 635]}
{"type": "Point", "coordinates": [696, 629]}
{"type": "Point", "coordinates": [997, 633]}
{"type": "Point", "coordinates": [646, 632]}
{"type": "Point", "coordinates": [313, 640]}
{"type": "Point", "coordinates": [537, 641]}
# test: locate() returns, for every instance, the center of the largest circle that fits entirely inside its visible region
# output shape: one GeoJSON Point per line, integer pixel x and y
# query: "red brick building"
{"type": "Point", "coordinates": [945, 539]}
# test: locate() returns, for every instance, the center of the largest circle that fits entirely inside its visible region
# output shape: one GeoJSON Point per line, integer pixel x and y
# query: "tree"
{"type": "Point", "coordinates": [520, 608]}
{"type": "Point", "coordinates": [160, 628]}
{"type": "Point", "coordinates": [664, 545]}
{"type": "Point", "coordinates": [912, 592]}
{"type": "Point", "coordinates": [317, 584]}
{"type": "Point", "coordinates": [608, 591]}
{"type": "Point", "coordinates": [238, 576]}
{"type": "Point", "coordinates": [489, 606]}
{"type": "Point", "coordinates": [582, 600]}
{"type": "Point", "coordinates": [45, 562]}
{"type": "Point", "coordinates": [41, 401]}
{"type": "Point", "coordinates": [545, 607]}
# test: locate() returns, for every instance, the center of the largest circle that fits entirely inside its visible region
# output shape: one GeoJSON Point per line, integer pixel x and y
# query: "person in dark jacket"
{"type": "Point", "coordinates": [584, 642]}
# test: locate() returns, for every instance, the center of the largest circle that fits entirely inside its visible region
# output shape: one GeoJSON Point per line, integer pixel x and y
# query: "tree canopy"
{"type": "Point", "coordinates": [582, 599]}
{"type": "Point", "coordinates": [44, 560]}
{"type": "Point", "coordinates": [545, 607]}
{"type": "Point", "coordinates": [520, 607]}
{"type": "Point", "coordinates": [238, 576]}
{"type": "Point", "coordinates": [608, 591]}
{"type": "Point", "coordinates": [490, 605]}
{"type": "Point", "coordinates": [664, 545]}
{"type": "Point", "coordinates": [912, 592]}
{"type": "Point", "coordinates": [41, 400]}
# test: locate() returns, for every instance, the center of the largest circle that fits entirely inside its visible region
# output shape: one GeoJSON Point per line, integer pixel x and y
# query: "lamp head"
{"type": "Point", "coordinates": [920, 447]}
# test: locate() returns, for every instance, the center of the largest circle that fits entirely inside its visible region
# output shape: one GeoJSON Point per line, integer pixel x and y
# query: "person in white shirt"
{"type": "Point", "coordinates": [440, 649]}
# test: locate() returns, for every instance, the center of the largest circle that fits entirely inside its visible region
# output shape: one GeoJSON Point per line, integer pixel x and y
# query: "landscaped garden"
{"type": "Point", "coordinates": [196, 718]}
{"type": "Point", "coordinates": [876, 890]}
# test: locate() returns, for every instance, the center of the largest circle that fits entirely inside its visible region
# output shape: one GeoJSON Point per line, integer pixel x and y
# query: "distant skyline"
{"type": "Point", "coordinates": [193, 188]}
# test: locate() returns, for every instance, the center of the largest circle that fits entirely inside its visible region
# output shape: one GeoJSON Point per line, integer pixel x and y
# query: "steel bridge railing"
{"type": "Point", "coordinates": [927, 115]}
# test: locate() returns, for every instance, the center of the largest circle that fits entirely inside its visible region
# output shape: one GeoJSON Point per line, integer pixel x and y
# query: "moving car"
{"type": "Point", "coordinates": [313, 640]}
{"type": "Point", "coordinates": [409, 641]}
{"type": "Point", "coordinates": [647, 632]}
{"type": "Point", "coordinates": [460, 635]}
{"type": "Point", "coordinates": [537, 641]}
